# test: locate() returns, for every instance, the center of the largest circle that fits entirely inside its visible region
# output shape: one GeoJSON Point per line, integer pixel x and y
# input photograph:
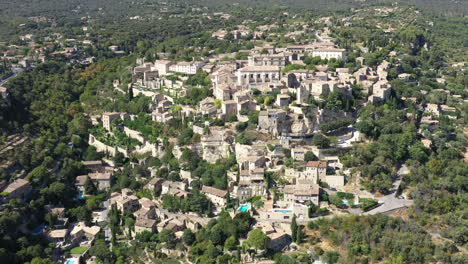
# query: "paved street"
{"type": "Point", "coordinates": [16, 71]}
{"type": "Point", "coordinates": [390, 202]}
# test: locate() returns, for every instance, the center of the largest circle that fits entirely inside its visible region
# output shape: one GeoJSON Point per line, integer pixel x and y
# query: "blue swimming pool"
{"type": "Point", "coordinates": [79, 197]}
{"type": "Point", "coordinates": [72, 261]}
{"type": "Point", "coordinates": [283, 211]}
{"type": "Point", "coordinates": [244, 208]}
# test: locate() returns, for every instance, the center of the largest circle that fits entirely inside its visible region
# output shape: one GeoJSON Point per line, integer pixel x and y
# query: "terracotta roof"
{"type": "Point", "coordinates": [317, 164]}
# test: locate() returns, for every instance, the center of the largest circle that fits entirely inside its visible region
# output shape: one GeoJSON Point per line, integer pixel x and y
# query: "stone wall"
{"type": "Point", "coordinates": [134, 134]}
{"type": "Point", "coordinates": [101, 147]}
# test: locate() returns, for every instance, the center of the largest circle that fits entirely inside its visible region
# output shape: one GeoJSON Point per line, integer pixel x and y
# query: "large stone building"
{"type": "Point", "coordinates": [268, 60]}
{"type": "Point", "coordinates": [251, 183]}
{"type": "Point", "coordinates": [162, 66]}
{"type": "Point", "coordinates": [329, 53]}
{"type": "Point", "coordinates": [258, 74]}
{"type": "Point", "coordinates": [186, 67]}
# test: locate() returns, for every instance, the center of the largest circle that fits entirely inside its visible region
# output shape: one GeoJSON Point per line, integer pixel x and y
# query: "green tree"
{"type": "Point", "coordinates": [321, 141]}
{"type": "Point", "coordinates": [310, 156]}
{"type": "Point", "coordinates": [257, 239]}
{"type": "Point", "coordinates": [39, 175]}
{"type": "Point", "coordinates": [101, 251]}
{"type": "Point", "coordinates": [299, 235]}
{"type": "Point", "coordinates": [90, 187]}
{"type": "Point", "coordinates": [230, 243]}
{"type": "Point", "coordinates": [50, 218]}
{"type": "Point", "coordinates": [330, 257]}
{"type": "Point", "coordinates": [188, 237]}
{"type": "Point", "coordinates": [294, 228]}
{"type": "Point", "coordinates": [167, 236]}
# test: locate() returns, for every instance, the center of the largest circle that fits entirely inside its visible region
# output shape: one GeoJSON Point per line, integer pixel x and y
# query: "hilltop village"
{"type": "Point", "coordinates": [253, 150]}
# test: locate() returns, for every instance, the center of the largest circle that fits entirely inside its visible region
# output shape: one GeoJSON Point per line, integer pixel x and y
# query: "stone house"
{"type": "Point", "coordinates": [272, 121]}
{"type": "Point", "coordinates": [229, 108]}
{"type": "Point", "coordinates": [252, 162]}
{"type": "Point", "coordinates": [162, 66]}
{"type": "Point", "coordinates": [94, 165]}
{"type": "Point", "coordinates": [155, 185]}
{"type": "Point", "coordinates": [171, 186]}
{"type": "Point", "coordinates": [145, 224]}
{"type": "Point", "coordinates": [315, 170]}
{"type": "Point", "coordinates": [301, 192]}
{"type": "Point", "coordinates": [57, 236]}
{"type": "Point", "coordinates": [80, 184]}
{"type": "Point", "coordinates": [171, 224]}
{"type": "Point", "coordinates": [82, 233]}
{"type": "Point", "coordinates": [217, 196]}
{"type": "Point", "coordinates": [108, 117]}
{"type": "Point", "coordinates": [278, 240]}
{"type": "Point", "coordinates": [19, 189]}
{"type": "Point", "coordinates": [282, 100]}
{"type": "Point", "coordinates": [251, 183]}
{"type": "Point", "coordinates": [381, 91]}
{"type": "Point", "coordinates": [125, 201]}
{"type": "Point", "coordinates": [102, 180]}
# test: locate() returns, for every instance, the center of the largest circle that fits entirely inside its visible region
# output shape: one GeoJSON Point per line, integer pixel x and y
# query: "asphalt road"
{"type": "Point", "coordinates": [16, 71]}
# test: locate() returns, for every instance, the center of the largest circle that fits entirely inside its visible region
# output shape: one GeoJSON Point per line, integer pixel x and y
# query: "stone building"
{"type": "Point", "coordinates": [272, 121]}
{"type": "Point", "coordinates": [217, 196]}
{"type": "Point", "coordinates": [19, 189]}
{"type": "Point", "coordinates": [315, 170]}
{"type": "Point", "coordinates": [268, 60]}
{"type": "Point", "coordinates": [329, 53]}
{"type": "Point", "coordinates": [186, 67]}
{"type": "Point", "coordinates": [301, 192]}
{"type": "Point", "coordinates": [258, 74]}
{"type": "Point", "coordinates": [162, 66]}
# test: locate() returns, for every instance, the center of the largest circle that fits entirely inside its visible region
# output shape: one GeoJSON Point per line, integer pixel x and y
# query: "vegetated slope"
{"type": "Point", "coordinates": [27, 8]}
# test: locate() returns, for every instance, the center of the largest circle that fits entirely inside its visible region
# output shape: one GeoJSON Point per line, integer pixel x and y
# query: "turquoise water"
{"type": "Point", "coordinates": [243, 208]}
{"type": "Point", "coordinates": [69, 261]}
{"type": "Point", "coordinates": [345, 202]}
{"type": "Point", "coordinates": [283, 211]}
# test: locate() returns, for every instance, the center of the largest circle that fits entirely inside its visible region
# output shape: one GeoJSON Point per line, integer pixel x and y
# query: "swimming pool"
{"type": "Point", "coordinates": [38, 230]}
{"type": "Point", "coordinates": [244, 208]}
{"type": "Point", "coordinates": [283, 211]}
{"type": "Point", "coordinates": [72, 261]}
